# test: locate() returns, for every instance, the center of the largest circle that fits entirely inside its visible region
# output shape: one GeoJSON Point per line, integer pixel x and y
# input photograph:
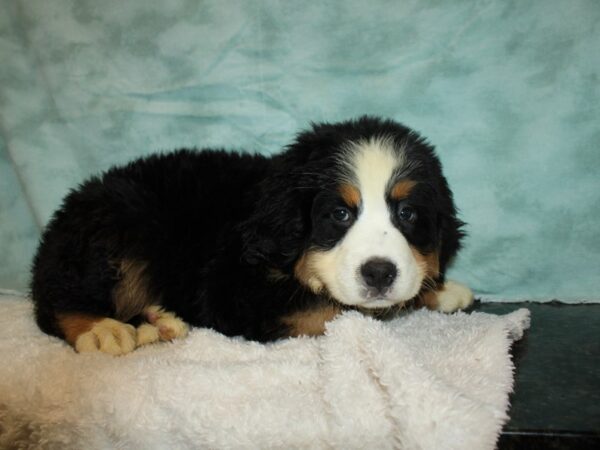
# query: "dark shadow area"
{"type": "Point", "coordinates": [556, 398]}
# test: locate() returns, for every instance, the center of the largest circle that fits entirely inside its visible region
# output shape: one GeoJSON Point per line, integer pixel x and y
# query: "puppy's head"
{"type": "Point", "coordinates": [359, 211]}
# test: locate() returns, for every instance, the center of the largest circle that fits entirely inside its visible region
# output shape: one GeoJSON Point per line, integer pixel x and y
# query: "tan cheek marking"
{"type": "Point", "coordinates": [75, 324]}
{"type": "Point", "coordinates": [430, 262]}
{"type": "Point", "coordinates": [131, 294]}
{"type": "Point", "coordinates": [350, 195]}
{"type": "Point", "coordinates": [311, 322]}
{"type": "Point", "coordinates": [402, 189]}
{"type": "Point", "coordinates": [429, 299]}
{"type": "Point", "coordinates": [306, 274]}
{"type": "Point", "coordinates": [433, 264]}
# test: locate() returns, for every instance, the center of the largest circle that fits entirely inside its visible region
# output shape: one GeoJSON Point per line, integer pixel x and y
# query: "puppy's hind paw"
{"type": "Point", "coordinates": [162, 325]}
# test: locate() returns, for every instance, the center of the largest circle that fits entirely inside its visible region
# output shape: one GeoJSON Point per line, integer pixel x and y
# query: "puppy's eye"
{"type": "Point", "coordinates": [341, 215]}
{"type": "Point", "coordinates": [407, 214]}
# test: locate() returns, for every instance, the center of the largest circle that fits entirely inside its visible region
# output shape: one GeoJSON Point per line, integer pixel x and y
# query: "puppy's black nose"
{"type": "Point", "coordinates": [378, 273]}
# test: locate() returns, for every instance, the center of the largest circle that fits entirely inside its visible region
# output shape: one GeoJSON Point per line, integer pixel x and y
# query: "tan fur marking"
{"type": "Point", "coordinates": [429, 299]}
{"type": "Point", "coordinates": [131, 294]}
{"type": "Point", "coordinates": [311, 322]}
{"type": "Point", "coordinates": [429, 262]}
{"type": "Point", "coordinates": [305, 273]}
{"type": "Point", "coordinates": [75, 324]}
{"type": "Point", "coordinates": [350, 195]}
{"type": "Point", "coordinates": [402, 189]}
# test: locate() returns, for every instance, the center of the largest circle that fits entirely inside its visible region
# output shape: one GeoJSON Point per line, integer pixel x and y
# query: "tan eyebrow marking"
{"type": "Point", "coordinates": [402, 189]}
{"type": "Point", "coordinates": [350, 195]}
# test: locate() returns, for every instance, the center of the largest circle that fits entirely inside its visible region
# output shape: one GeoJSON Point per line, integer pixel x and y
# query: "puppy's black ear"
{"type": "Point", "coordinates": [278, 229]}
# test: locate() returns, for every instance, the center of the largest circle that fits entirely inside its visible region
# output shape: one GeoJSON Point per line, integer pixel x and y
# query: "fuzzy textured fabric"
{"type": "Point", "coordinates": [422, 381]}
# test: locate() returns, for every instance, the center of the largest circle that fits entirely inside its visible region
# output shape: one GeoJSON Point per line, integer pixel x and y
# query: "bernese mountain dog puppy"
{"type": "Point", "coordinates": [352, 215]}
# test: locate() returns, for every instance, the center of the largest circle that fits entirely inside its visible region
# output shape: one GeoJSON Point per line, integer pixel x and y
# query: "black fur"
{"type": "Point", "coordinates": [213, 225]}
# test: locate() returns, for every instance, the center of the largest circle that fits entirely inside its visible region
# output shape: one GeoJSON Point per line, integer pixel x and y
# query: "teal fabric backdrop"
{"type": "Point", "coordinates": [508, 91]}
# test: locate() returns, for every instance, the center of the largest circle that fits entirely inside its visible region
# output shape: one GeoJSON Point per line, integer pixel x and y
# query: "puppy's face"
{"type": "Point", "coordinates": [374, 238]}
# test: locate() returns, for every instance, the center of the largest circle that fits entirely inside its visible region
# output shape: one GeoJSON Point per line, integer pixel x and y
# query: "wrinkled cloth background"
{"type": "Point", "coordinates": [507, 91]}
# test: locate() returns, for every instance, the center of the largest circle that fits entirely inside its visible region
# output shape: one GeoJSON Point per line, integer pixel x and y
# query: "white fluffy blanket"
{"type": "Point", "coordinates": [423, 381]}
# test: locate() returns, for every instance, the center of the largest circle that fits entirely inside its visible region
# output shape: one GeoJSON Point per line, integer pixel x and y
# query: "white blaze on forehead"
{"type": "Point", "coordinates": [373, 164]}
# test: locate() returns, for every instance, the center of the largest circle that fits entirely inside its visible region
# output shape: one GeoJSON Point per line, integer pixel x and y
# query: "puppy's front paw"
{"type": "Point", "coordinates": [108, 336]}
{"type": "Point", "coordinates": [453, 296]}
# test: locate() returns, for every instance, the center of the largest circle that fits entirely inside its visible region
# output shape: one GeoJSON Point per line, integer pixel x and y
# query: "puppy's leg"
{"type": "Point", "coordinates": [449, 297]}
{"type": "Point", "coordinates": [160, 325]}
{"type": "Point", "coordinates": [310, 322]}
{"type": "Point", "coordinates": [88, 333]}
